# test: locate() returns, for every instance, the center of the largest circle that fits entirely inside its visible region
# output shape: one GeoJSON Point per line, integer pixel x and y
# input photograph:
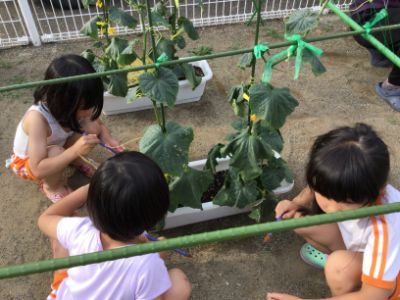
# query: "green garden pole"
{"type": "Point", "coordinates": [354, 25]}
{"type": "Point", "coordinates": [192, 240]}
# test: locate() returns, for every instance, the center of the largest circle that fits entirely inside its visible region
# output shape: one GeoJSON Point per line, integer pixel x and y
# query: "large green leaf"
{"type": "Point", "coordinates": [180, 41]}
{"type": "Point", "coordinates": [189, 28]}
{"type": "Point", "coordinates": [269, 135]}
{"type": "Point", "coordinates": [264, 208]}
{"type": "Point", "coordinates": [273, 174]}
{"type": "Point", "coordinates": [235, 192]}
{"type": "Point", "coordinates": [247, 152]}
{"type": "Point", "coordinates": [271, 104]}
{"type": "Point", "coordinates": [128, 55]}
{"type": "Point", "coordinates": [301, 21]}
{"type": "Point", "coordinates": [118, 85]}
{"type": "Point", "coordinates": [116, 47]}
{"type": "Point", "coordinates": [188, 189]}
{"type": "Point", "coordinates": [190, 75]}
{"type": "Point", "coordinates": [169, 149]}
{"type": "Point", "coordinates": [90, 28]}
{"type": "Point", "coordinates": [121, 18]}
{"type": "Point", "coordinates": [245, 61]}
{"type": "Point", "coordinates": [161, 86]}
{"type": "Point", "coordinates": [213, 154]}
{"type": "Point", "coordinates": [316, 65]}
{"type": "Point", "coordinates": [158, 19]}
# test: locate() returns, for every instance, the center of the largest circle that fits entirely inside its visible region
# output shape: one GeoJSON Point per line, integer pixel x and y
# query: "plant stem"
{"type": "Point", "coordinates": [105, 16]}
{"type": "Point", "coordinates": [153, 52]}
{"type": "Point", "coordinates": [254, 62]}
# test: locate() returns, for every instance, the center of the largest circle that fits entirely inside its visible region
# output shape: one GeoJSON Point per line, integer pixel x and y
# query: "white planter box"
{"type": "Point", "coordinates": [117, 105]}
{"type": "Point", "coordinates": [186, 215]}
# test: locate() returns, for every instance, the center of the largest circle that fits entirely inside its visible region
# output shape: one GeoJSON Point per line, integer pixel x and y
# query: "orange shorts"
{"type": "Point", "coordinates": [59, 276]}
{"type": "Point", "coordinates": [20, 166]}
{"type": "Point", "coordinates": [396, 293]}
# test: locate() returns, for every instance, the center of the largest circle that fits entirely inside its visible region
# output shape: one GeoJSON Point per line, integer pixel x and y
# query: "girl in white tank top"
{"type": "Point", "coordinates": [50, 135]}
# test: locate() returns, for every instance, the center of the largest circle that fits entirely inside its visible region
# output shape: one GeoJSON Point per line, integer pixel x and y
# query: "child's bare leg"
{"type": "Point", "coordinates": [53, 183]}
{"type": "Point", "coordinates": [343, 272]}
{"type": "Point", "coordinates": [326, 238]}
{"type": "Point", "coordinates": [181, 287]}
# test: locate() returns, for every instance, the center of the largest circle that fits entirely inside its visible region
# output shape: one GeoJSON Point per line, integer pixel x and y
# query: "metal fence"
{"type": "Point", "coordinates": [41, 21]}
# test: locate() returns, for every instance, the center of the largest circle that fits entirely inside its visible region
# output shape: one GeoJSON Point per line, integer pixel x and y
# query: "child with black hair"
{"type": "Point", "coordinates": [127, 195]}
{"type": "Point", "coordinates": [348, 168]}
{"type": "Point", "coordinates": [49, 136]}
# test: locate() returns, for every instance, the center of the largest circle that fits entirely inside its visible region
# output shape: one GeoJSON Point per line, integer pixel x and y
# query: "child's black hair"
{"type": "Point", "coordinates": [127, 195]}
{"type": "Point", "coordinates": [63, 100]}
{"type": "Point", "coordinates": [349, 164]}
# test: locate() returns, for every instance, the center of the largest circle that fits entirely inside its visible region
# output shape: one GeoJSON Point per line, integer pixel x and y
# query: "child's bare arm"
{"type": "Point", "coordinates": [49, 219]}
{"type": "Point", "coordinates": [287, 209]}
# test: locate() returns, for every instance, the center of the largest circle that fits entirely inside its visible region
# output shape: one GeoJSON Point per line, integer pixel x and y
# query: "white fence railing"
{"type": "Point", "coordinates": [41, 21]}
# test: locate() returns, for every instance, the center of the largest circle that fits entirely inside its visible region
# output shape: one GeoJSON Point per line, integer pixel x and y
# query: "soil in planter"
{"type": "Point", "coordinates": [214, 187]}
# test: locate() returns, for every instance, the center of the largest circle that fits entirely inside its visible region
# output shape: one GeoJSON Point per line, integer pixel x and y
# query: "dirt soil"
{"type": "Point", "coordinates": [239, 269]}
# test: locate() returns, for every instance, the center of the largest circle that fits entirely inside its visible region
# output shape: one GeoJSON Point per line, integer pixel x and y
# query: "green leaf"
{"type": "Point", "coordinates": [161, 86]}
{"type": "Point", "coordinates": [245, 61]}
{"type": "Point", "coordinates": [188, 189]}
{"type": "Point", "coordinates": [158, 19]}
{"type": "Point", "coordinates": [273, 174]}
{"type": "Point", "coordinates": [118, 85]}
{"type": "Point", "coordinates": [269, 135]}
{"type": "Point", "coordinates": [121, 18]}
{"type": "Point", "coordinates": [247, 152]}
{"type": "Point", "coordinates": [169, 149]}
{"type": "Point", "coordinates": [166, 46]}
{"type": "Point", "coordinates": [190, 75]}
{"type": "Point", "coordinates": [116, 47]}
{"type": "Point", "coordinates": [90, 28]}
{"type": "Point", "coordinates": [235, 192]}
{"type": "Point", "coordinates": [271, 104]}
{"type": "Point", "coordinates": [98, 44]}
{"type": "Point", "coordinates": [88, 55]}
{"type": "Point", "coordinates": [87, 3]}
{"type": "Point", "coordinates": [213, 154]}
{"type": "Point", "coordinates": [180, 41]}
{"type": "Point", "coordinates": [189, 28]}
{"type": "Point", "coordinates": [239, 124]}
{"type": "Point", "coordinates": [263, 209]}
{"type": "Point", "coordinates": [301, 21]}
{"type": "Point", "coordinates": [239, 105]}
{"type": "Point", "coordinates": [127, 56]}
{"type": "Point", "coordinates": [316, 65]}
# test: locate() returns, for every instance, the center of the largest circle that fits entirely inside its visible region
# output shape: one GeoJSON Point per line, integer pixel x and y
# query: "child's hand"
{"type": "Point", "coordinates": [277, 296]}
{"type": "Point", "coordinates": [287, 209]}
{"type": "Point", "coordinates": [86, 143]}
{"type": "Point", "coordinates": [114, 144]}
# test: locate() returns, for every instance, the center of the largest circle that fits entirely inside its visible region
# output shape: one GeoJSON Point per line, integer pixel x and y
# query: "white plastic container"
{"type": "Point", "coordinates": [186, 215]}
{"type": "Point", "coordinates": [117, 105]}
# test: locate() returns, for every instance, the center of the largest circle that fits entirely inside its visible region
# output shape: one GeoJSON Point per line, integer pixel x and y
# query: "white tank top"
{"type": "Point", "coordinates": [58, 134]}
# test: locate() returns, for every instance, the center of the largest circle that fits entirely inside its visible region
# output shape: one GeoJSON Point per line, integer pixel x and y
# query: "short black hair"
{"type": "Point", "coordinates": [63, 100]}
{"type": "Point", "coordinates": [127, 195]}
{"type": "Point", "coordinates": [349, 164]}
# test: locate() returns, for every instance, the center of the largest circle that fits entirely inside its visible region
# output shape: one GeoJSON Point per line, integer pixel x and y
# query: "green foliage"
{"type": "Point", "coordinates": [316, 65]}
{"type": "Point", "coordinates": [201, 50]}
{"type": "Point", "coordinates": [90, 28]}
{"type": "Point", "coordinates": [271, 104]}
{"type": "Point", "coordinates": [301, 22]}
{"type": "Point", "coordinates": [188, 189]}
{"type": "Point", "coordinates": [245, 61]}
{"type": "Point", "coordinates": [121, 18]}
{"type": "Point", "coordinates": [169, 149]}
{"type": "Point", "coordinates": [161, 86]}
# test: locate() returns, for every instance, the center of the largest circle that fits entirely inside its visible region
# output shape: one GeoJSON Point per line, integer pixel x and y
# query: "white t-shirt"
{"type": "Point", "coordinates": [379, 238]}
{"type": "Point", "coordinates": [142, 277]}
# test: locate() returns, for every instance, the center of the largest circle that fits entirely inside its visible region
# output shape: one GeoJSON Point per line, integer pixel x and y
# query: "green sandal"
{"type": "Point", "coordinates": [312, 256]}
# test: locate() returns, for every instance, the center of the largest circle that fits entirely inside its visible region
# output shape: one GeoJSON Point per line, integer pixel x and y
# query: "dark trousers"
{"type": "Point", "coordinates": [390, 39]}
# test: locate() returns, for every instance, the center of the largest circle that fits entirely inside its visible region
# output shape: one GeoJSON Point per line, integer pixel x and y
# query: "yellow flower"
{"type": "Point", "coordinates": [253, 117]}
{"type": "Point", "coordinates": [246, 97]}
{"type": "Point", "coordinates": [111, 30]}
{"type": "Point", "coordinates": [99, 3]}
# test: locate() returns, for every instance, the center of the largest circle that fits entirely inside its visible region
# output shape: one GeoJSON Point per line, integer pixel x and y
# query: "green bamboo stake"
{"type": "Point", "coordinates": [188, 59]}
{"type": "Point", "coordinates": [354, 25]}
{"type": "Point", "coordinates": [193, 240]}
